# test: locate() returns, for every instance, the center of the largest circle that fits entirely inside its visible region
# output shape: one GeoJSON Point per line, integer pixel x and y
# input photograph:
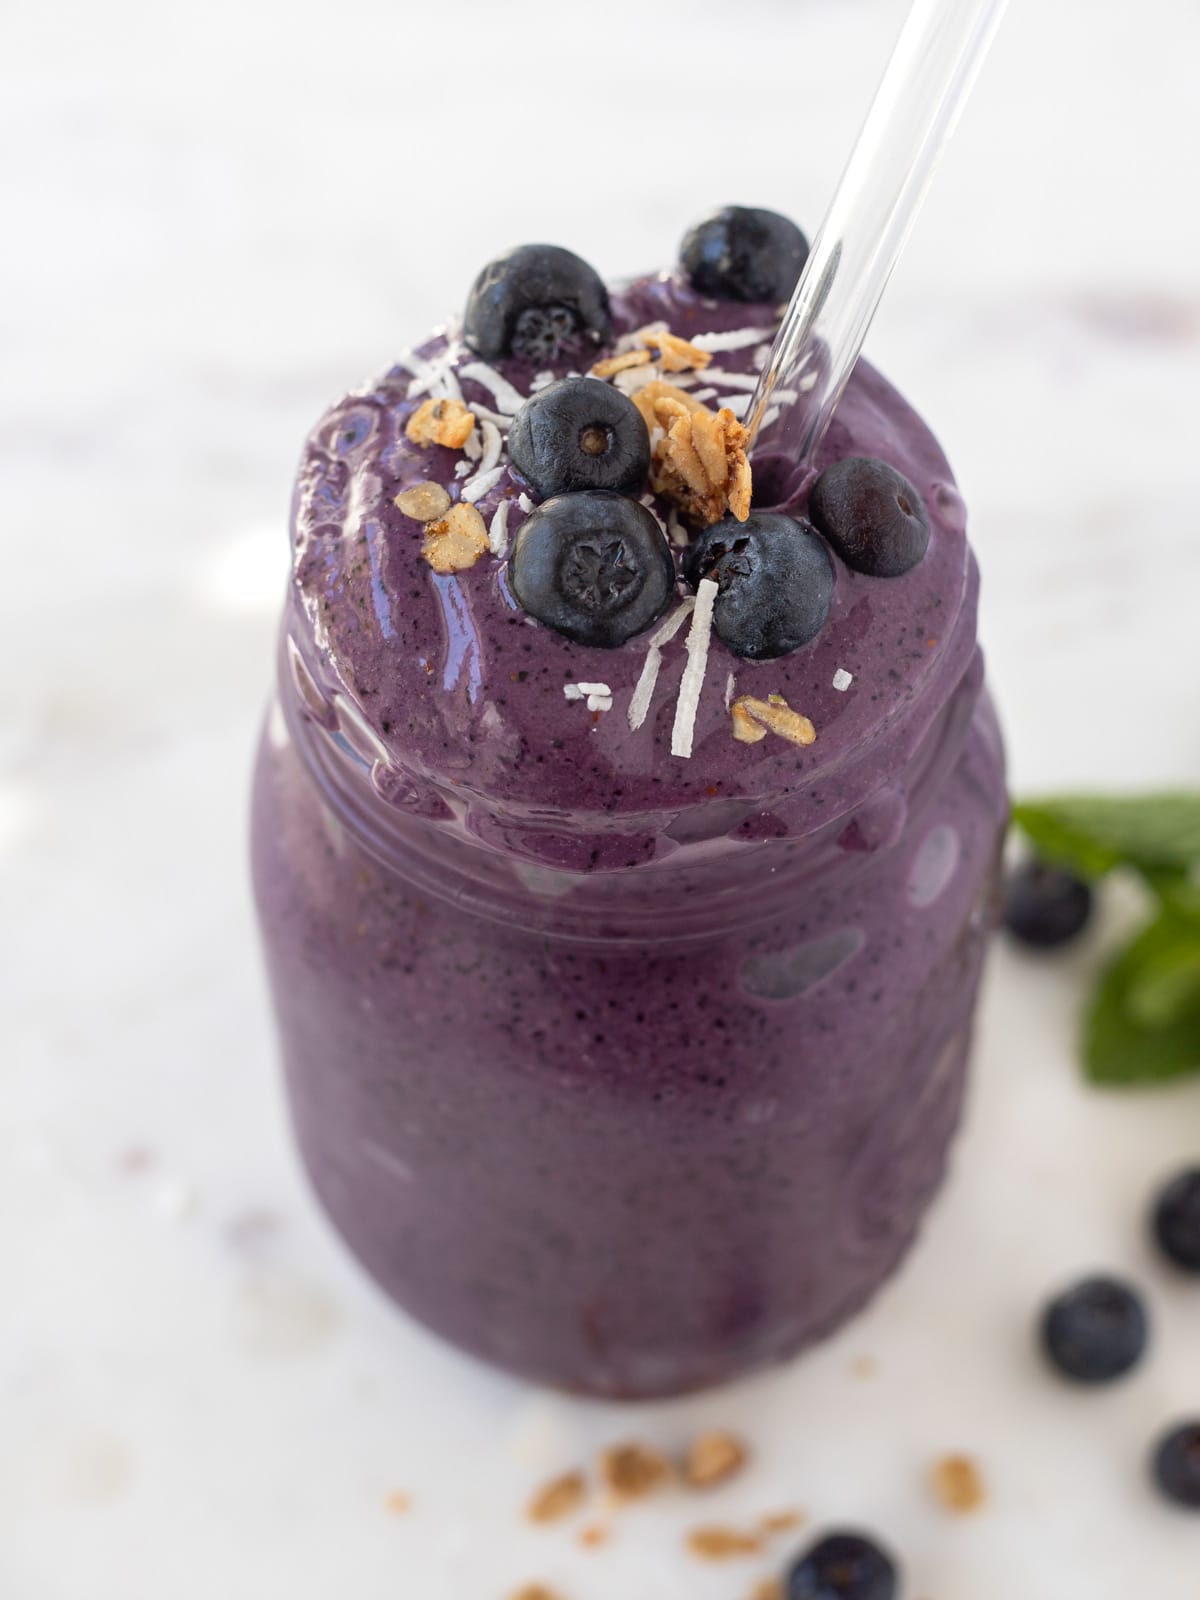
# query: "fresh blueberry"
{"type": "Point", "coordinates": [843, 1566]}
{"type": "Point", "coordinates": [580, 433]}
{"type": "Point", "coordinates": [871, 515]}
{"type": "Point", "coordinates": [594, 566]}
{"type": "Point", "coordinates": [535, 302]}
{"type": "Point", "coordinates": [1095, 1332]}
{"type": "Point", "coordinates": [1044, 905]}
{"type": "Point", "coordinates": [1177, 1465]}
{"type": "Point", "coordinates": [1177, 1220]}
{"type": "Point", "coordinates": [775, 582]}
{"type": "Point", "coordinates": [742, 253]}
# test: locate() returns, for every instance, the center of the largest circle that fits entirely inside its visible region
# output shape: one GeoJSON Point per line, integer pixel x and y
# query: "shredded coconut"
{"type": "Point", "coordinates": [599, 702]}
{"type": "Point", "coordinates": [492, 445]}
{"type": "Point", "coordinates": [462, 468]}
{"type": "Point", "coordinates": [735, 339]}
{"type": "Point", "coordinates": [730, 684]}
{"type": "Point", "coordinates": [643, 693]}
{"type": "Point", "coordinates": [729, 380]}
{"type": "Point", "coordinates": [842, 680]}
{"type": "Point", "coordinates": [481, 483]}
{"type": "Point", "coordinates": [676, 531]}
{"type": "Point", "coordinates": [667, 630]}
{"type": "Point", "coordinates": [630, 379]}
{"type": "Point", "coordinates": [648, 502]}
{"type": "Point", "coordinates": [739, 404]}
{"type": "Point", "coordinates": [692, 682]}
{"type": "Point", "coordinates": [482, 413]}
{"type": "Point", "coordinates": [434, 377]}
{"type": "Point", "coordinates": [588, 691]}
{"type": "Point", "coordinates": [762, 355]}
{"type": "Point", "coordinates": [525, 503]}
{"type": "Point", "coordinates": [473, 448]}
{"type": "Point", "coordinates": [635, 340]}
{"type": "Point", "coordinates": [498, 531]}
{"type": "Point", "coordinates": [505, 396]}
{"type": "Point", "coordinates": [541, 380]}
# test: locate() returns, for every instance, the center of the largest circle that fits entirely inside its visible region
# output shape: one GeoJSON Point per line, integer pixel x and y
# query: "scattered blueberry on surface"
{"type": "Point", "coordinates": [535, 302]}
{"type": "Point", "coordinates": [594, 566]}
{"type": "Point", "coordinates": [744, 253]}
{"type": "Point", "coordinates": [580, 433]}
{"type": "Point", "coordinates": [1177, 1220]}
{"type": "Point", "coordinates": [1044, 905]}
{"type": "Point", "coordinates": [843, 1566]}
{"type": "Point", "coordinates": [1095, 1332]}
{"type": "Point", "coordinates": [775, 582]}
{"type": "Point", "coordinates": [871, 515]}
{"type": "Point", "coordinates": [1177, 1465]}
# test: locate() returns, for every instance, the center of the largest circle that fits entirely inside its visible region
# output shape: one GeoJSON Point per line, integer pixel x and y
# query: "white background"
{"type": "Point", "coordinates": [213, 219]}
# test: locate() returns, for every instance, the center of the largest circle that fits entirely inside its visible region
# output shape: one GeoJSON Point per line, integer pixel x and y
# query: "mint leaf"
{"type": "Point", "coordinates": [1158, 834]}
{"type": "Point", "coordinates": [1143, 1025]}
{"type": "Point", "coordinates": [1168, 990]}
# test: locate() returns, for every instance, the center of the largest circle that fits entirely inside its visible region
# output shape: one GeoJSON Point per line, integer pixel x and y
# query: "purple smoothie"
{"type": "Point", "coordinates": [625, 1071]}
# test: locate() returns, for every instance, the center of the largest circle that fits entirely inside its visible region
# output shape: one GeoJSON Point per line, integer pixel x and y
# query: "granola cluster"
{"type": "Point", "coordinates": [445, 422]}
{"type": "Point", "coordinates": [754, 719]}
{"type": "Point", "coordinates": [457, 540]}
{"type": "Point", "coordinates": [698, 457]}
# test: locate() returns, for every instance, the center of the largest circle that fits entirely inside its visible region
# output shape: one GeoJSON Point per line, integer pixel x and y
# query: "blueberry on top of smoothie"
{"type": "Point", "coordinates": [1096, 1332]}
{"type": "Point", "coordinates": [843, 1566]}
{"type": "Point", "coordinates": [535, 302]}
{"type": "Point", "coordinates": [871, 515]}
{"type": "Point", "coordinates": [580, 433]}
{"type": "Point", "coordinates": [594, 566]}
{"type": "Point", "coordinates": [1177, 1465]}
{"type": "Point", "coordinates": [774, 580]}
{"type": "Point", "coordinates": [1177, 1221]}
{"type": "Point", "coordinates": [744, 253]}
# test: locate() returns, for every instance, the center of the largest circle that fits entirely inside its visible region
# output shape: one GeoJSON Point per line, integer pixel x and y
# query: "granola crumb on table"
{"type": "Point", "coordinates": [557, 1499]}
{"type": "Point", "coordinates": [716, 1543]}
{"type": "Point", "coordinates": [632, 1471]}
{"type": "Point", "coordinates": [712, 1459]}
{"type": "Point", "coordinates": [958, 1484]}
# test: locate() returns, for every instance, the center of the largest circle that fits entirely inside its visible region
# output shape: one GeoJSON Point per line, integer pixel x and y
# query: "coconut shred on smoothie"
{"type": "Point", "coordinates": [625, 827]}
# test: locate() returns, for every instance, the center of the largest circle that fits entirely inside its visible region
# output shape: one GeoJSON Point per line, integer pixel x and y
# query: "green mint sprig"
{"type": "Point", "coordinates": [1142, 1023]}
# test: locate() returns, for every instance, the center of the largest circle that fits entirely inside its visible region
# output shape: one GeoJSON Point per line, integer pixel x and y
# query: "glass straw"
{"type": "Point", "coordinates": [931, 73]}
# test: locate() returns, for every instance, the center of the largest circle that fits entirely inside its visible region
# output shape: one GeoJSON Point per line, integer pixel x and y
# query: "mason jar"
{"type": "Point", "coordinates": [631, 1105]}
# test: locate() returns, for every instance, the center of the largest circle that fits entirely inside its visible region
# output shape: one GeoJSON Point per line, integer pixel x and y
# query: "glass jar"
{"type": "Point", "coordinates": [628, 1132]}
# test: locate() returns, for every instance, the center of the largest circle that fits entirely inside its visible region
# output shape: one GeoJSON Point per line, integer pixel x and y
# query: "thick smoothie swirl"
{"type": "Point", "coordinates": [463, 694]}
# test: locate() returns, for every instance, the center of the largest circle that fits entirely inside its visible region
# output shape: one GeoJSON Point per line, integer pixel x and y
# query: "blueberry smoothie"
{"type": "Point", "coordinates": [625, 826]}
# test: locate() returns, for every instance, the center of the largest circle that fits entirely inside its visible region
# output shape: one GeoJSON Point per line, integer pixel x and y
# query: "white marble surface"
{"type": "Point", "coordinates": [214, 217]}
